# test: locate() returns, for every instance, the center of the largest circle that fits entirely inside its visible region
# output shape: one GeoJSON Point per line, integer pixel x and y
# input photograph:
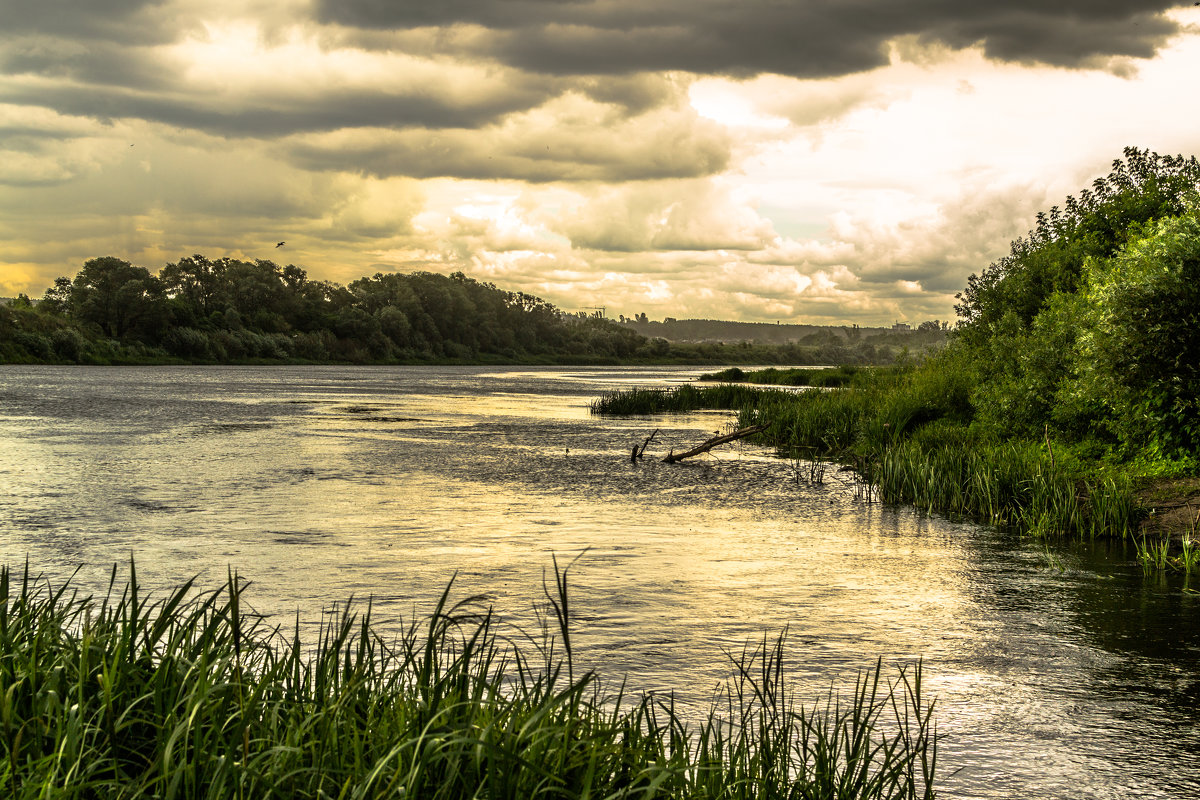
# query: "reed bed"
{"type": "Point", "coordinates": [913, 453]}
{"type": "Point", "coordinates": [1011, 484]}
{"type": "Point", "coordinates": [772, 376]}
{"type": "Point", "coordinates": [1158, 555]}
{"type": "Point", "coordinates": [194, 696]}
{"type": "Point", "coordinates": [680, 399]}
{"type": "Point", "coordinates": [907, 433]}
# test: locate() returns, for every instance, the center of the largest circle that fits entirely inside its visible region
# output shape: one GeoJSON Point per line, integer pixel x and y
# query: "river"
{"type": "Point", "coordinates": [1057, 674]}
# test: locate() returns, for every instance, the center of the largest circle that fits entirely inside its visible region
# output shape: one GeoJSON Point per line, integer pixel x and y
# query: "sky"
{"type": "Point", "coordinates": [804, 161]}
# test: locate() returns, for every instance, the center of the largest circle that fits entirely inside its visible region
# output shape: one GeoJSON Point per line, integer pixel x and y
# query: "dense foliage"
{"type": "Point", "coordinates": [1087, 327]}
{"type": "Point", "coordinates": [201, 310]}
{"type": "Point", "coordinates": [1139, 340]}
{"type": "Point", "coordinates": [1143, 187]}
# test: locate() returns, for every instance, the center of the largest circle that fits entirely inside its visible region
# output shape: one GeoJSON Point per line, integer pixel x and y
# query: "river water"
{"type": "Point", "coordinates": [1057, 674]}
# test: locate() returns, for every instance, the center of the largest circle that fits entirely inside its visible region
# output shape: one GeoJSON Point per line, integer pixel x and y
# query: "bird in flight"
{"type": "Point", "coordinates": [281, 244]}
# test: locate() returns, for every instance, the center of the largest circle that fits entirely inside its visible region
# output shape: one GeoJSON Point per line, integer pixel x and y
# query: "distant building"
{"type": "Point", "coordinates": [902, 326]}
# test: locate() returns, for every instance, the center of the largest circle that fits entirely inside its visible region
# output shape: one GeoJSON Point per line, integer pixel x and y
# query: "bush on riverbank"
{"type": "Point", "coordinates": [193, 696]}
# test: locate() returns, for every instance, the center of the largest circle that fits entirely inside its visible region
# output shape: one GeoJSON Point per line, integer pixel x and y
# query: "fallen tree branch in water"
{"type": "Point", "coordinates": [741, 433]}
{"type": "Point", "coordinates": [638, 452]}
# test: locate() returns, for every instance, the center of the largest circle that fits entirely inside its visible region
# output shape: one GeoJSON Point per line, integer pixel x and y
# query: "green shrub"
{"type": "Point", "coordinates": [35, 344]}
{"type": "Point", "coordinates": [188, 343]}
{"type": "Point", "coordinates": [68, 344]}
{"type": "Point", "coordinates": [1141, 340]}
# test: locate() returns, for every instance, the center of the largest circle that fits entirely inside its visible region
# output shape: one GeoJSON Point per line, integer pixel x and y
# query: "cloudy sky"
{"type": "Point", "coordinates": [820, 161]}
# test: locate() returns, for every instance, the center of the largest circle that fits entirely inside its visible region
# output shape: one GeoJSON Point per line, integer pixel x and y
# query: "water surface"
{"type": "Point", "coordinates": [1066, 677]}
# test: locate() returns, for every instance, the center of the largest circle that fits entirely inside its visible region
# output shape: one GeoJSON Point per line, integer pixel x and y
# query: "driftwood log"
{"type": "Point", "coordinates": [741, 433]}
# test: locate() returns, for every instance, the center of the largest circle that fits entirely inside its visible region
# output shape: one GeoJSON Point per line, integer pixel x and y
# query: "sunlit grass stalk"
{"type": "Point", "coordinates": [1188, 559]}
{"type": "Point", "coordinates": [193, 696]}
{"type": "Point", "coordinates": [1154, 555]}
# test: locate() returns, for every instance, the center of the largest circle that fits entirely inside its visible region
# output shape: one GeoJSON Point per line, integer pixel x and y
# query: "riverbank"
{"type": "Point", "coordinates": [912, 435]}
{"type": "Point", "coordinates": [1172, 508]}
{"type": "Point", "coordinates": [193, 694]}
{"type": "Point", "coordinates": [25, 350]}
{"type": "Point", "coordinates": [1167, 505]}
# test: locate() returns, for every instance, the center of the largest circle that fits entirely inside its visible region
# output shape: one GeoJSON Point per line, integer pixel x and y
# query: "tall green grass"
{"type": "Point", "coordinates": [910, 442]}
{"type": "Point", "coordinates": [908, 433]}
{"type": "Point", "coordinates": [1157, 554]}
{"type": "Point", "coordinates": [772, 376]}
{"type": "Point", "coordinates": [1014, 484]}
{"type": "Point", "coordinates": [194, 696]}
{"type": "Point", "coordinates": [681, 399]}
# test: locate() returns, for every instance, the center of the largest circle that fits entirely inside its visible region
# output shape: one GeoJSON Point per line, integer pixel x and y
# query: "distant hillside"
{"type": "Point", "coordinates": [711, 330]}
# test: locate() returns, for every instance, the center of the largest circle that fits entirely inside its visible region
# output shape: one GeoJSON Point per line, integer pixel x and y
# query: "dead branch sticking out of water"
{"type": "Point", "coordinates": [741, 433]}
{"type": "Point", "coordinates": [638, 452]}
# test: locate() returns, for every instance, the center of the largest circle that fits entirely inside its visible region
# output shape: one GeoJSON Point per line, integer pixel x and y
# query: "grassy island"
{"type": "Point", "coordinates": [1067, 400]}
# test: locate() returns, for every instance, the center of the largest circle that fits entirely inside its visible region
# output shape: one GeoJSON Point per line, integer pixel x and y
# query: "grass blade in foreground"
{"type": "Point", "coordinates": [193, 696]}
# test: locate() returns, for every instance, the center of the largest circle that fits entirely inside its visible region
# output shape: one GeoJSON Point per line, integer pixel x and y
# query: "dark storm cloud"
{"type": "Point", "coordinates": [813, 38]}
{"type": "Point", "coordinates": [280, 116]}
{"type": "Point", "coordinates": [30, 136]}
{"type": "Point", "coordinates": [672, 151]}
{"type": "Point", "coordinates": [83, 69]}
{"type": "Point", "coordinates": [632, 93]}
{"type": "Point", "coordinates": [99, 62]}
{"type": "Point", "coordinates": [129, 21]}
{"type": "Point", "coordinates": [98, 58]}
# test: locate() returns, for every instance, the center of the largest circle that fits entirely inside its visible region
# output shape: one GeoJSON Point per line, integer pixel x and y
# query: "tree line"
{"type": "Point", "coordinates": [226, 309]}
{"type": "Point", "coordinates": [202, 310]}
